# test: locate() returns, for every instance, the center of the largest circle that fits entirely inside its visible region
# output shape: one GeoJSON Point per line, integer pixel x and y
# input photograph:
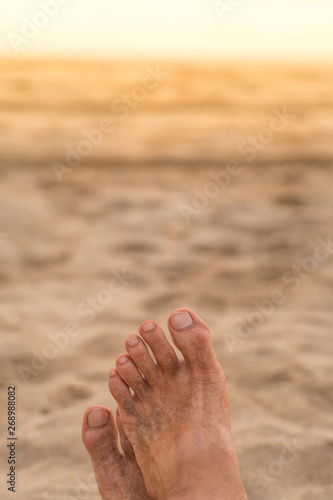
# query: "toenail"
{"type": "Point", "coordinates": [122, 360]}
{"type": "Point", "coordinates": [113, 373]}
{"type": "Point", "coordinates": [181, 320]}
{"type": "Point", "coordinates": [97, 418]}
{"type": "Point", "coordinates": [148, 327]}
{"type": "Point", "coordinates": [133, 341]}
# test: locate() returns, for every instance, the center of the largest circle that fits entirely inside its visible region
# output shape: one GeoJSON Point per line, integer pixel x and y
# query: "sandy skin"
{"type": "Point", "coordinates": [175, 429]}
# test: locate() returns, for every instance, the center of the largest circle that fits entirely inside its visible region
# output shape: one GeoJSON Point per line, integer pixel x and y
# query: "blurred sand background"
{"type": "Point", "coordinates": [119, 209]}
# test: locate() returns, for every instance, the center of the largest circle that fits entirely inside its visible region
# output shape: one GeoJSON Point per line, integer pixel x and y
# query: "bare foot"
{"type": "Point", "coordinates": [118, 475]}
{"type": "Point", "coordinates": [178, 419]}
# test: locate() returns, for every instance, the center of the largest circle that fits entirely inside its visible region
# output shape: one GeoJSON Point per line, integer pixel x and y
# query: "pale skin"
{"type": "Point", "coordinates": [175, 429]}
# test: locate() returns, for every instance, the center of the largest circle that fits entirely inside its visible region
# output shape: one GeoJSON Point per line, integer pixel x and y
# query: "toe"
{"type": "Point", "coordinates": [138, 352]}
{"type": "Point", "coordinates": [191, 335]}
{"type": "Point", "coordinates": [124, 441]}
{"type": "Point", "coordinates": [165, 355]}
{"type": "Point", "coordinates": [100, 437]}
{"type": "Point", "coordinates": [130, 374]}
{"type": "Point", "coordinates": [121, 392]}
{"type": "Point", "coordinates": [99, 433]}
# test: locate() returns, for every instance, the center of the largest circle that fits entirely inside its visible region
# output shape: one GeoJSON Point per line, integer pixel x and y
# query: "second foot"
{"type": "Point", "coordinates": [118, 475]}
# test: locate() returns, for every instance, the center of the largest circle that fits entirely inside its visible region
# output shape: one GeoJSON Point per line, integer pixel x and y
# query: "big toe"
{"type": "Point", "coordinates": [100, 437]}
{"type": "Point", "coordinates": [191, 335]}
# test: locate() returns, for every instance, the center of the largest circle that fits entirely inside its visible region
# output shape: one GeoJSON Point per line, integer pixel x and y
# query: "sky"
{"type": "Point", "coordinates": [172, 28]}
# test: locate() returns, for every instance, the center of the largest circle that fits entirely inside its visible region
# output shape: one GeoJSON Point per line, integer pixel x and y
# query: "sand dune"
{"type": "Point", "coordinates": [119, 214]}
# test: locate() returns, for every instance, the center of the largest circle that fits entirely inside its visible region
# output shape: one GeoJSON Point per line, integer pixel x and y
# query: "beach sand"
{"type": "Point", "coordinates": [116, 219]}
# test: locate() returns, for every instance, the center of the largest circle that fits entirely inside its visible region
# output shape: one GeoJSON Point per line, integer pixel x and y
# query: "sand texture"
{"type": "Point", "coordinates": [265, 232]}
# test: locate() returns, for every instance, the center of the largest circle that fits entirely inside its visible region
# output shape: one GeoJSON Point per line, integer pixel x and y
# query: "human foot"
{"type": "Point", "coordinates": [177, 420]}
{"type": "Point", "coordinates": [118, 476]}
